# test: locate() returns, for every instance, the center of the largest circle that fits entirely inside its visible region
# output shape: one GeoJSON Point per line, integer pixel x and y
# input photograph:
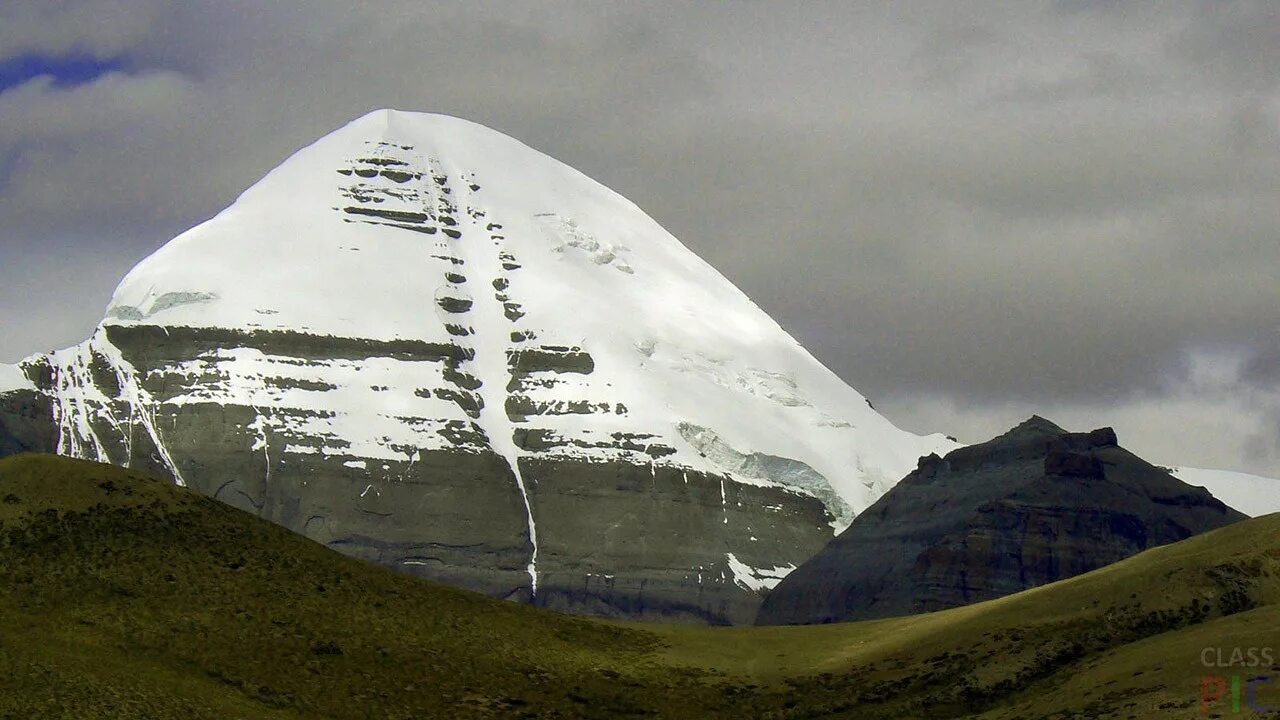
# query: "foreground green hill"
{"type": "Point", "coordinates": [122, 596]}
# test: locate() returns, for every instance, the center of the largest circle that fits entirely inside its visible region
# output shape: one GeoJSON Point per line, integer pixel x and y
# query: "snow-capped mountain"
{"type": "Point", "coordinates": [424, 343]}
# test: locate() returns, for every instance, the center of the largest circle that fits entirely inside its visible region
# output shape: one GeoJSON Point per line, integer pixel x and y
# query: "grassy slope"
{"type": "Point", "coordinates": [122, 596]}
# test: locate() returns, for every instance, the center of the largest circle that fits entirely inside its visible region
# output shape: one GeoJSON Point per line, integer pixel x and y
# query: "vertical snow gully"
{"type": "Point", "coordinates": [490, 342]}
{"type": "Point", "coordinates": [507, 448]}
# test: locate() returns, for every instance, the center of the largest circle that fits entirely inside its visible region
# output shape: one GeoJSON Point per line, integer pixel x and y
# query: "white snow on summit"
{"type": "Point", "coordinates": [757, 579]}
{"type": "Point", "coordinates": [675, 344]}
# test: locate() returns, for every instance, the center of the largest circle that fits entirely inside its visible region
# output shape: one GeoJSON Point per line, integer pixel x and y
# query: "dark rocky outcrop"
{"type": "Point", "coordinates": [1035, 505]}
{"type": "Point", "coordinates": [25, 424]}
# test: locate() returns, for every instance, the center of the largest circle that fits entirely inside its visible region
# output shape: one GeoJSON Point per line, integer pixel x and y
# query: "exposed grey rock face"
{"type": "Point", "coordinates": [631, 541]}
{"type": "Point", "coordinates": [25, 424]}
{"type": "Point", "coordinates": [622, 538]}
{"type": "Point", "coordinates": [1032, 506]}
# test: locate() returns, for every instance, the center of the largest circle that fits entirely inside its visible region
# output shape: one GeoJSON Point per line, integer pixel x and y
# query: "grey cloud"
{"type": "Point", "coordinates": [967, 214]}
{"type": "Point", "coordinates": [103, 28]}
{"type": "Point", "coordinates": [1234, 44]}
{"type": "Point", "coordinates": [1263, 368]}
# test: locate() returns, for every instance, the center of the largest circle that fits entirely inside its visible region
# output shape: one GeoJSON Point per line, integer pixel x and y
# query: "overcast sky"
{"type": "Point", "coordinates": [971, 211]}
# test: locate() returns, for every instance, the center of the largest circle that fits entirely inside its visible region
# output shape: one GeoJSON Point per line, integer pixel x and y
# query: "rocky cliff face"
{"type": "Point", "coordinates": [25, 422]}
{"type": "Point", "coordinates": [1035, 505]}
{"type": "Point", "coordinates": [423, 343]}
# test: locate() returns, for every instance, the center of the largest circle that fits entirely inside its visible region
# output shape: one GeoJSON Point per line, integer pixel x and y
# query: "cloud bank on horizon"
{"type": "Point", "coordinates": [1067, 208]}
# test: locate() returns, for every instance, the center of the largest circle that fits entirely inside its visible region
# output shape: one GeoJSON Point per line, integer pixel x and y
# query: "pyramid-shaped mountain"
{"type": "Point", "coordinates": [423, 343]}
{"type": "Point", "coordinates": [1032, 506]}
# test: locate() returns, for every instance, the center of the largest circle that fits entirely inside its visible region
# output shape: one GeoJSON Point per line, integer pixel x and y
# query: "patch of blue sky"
{"type": "Point", "coordinates": [66, 70]}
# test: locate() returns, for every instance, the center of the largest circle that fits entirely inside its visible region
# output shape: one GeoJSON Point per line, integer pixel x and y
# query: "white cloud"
{"type": "Point", "coordinates": [1208, 415]}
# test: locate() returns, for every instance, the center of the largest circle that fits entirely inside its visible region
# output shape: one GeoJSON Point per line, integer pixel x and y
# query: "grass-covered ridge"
{"type": "Point", "coordinates": [123, 596]}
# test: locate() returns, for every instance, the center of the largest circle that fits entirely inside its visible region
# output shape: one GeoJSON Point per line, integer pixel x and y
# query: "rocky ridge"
{"type": "Point", "coordinates": [1032, 506]}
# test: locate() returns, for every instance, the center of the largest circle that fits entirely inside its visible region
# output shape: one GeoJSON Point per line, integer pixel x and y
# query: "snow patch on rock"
{"type": "Point", "coordinates": [777, 470]}
{"type": "Point", "coordinates": [756, 579]}
{"type": "Point", "coordinates": [159, 304]}
{"type": "Point", "coordinates": [565, 234]}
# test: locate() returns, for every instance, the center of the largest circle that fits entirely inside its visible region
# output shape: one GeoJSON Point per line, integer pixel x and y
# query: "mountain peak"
{"type": "Point", "coordinates": [423, 342]}
{"type": "Point", "coordinates": [1034, 426]}
{"type": "Point", "coordinates": [1033, 506]}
